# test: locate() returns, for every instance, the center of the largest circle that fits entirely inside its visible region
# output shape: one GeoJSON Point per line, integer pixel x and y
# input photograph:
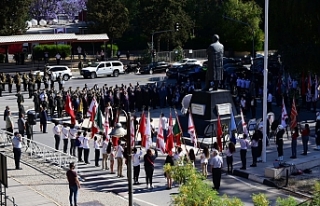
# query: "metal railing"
{"type": "Point", "coordinates": [37, 153]}
{"type": "Point", "coordinates": [171, 56]}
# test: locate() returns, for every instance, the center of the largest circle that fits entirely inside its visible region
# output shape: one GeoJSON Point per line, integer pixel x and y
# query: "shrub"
{"type": "Point", "coordinates": [52, 49]}
{"type": "Point", "coordinates": [115, 49]}
{"type": "Point", "coordinates": [260, 200]}
{"type": "Point", "coordinates": [290, 201]}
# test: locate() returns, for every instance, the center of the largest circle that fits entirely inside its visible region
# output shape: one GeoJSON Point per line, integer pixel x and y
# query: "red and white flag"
{"type": "Point", "coordinates": [244, 124]}
{"type": "Point", "coordinates": [142, 129]}
{"type": "Point", "coordinates": [160, 138]}
{"type": "Point", "coordinates": [170, 142]}
{"type": "Point", "coordinates": [148, 138]}
{"type": "Point", "coordinates": [192, 131]}
{"type": "Point", "coordinates": [92, 108]}
{"type": "Point", "coordinates": [293, 116]}
{"type": "Point", "coordinates": [284, 114]}
{"type": "Point", "coordinates": [132, 132]}
{"type": "Point", "coordinates": [69, 110]}
{"type": "Point", "coordinates": [106, 123]}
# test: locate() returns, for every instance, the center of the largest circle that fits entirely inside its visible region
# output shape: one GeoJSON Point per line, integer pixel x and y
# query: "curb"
{"type": "Point", "coordinates": [254, 178]}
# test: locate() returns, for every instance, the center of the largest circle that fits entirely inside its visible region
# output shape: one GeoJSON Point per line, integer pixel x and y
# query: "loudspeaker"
{"type": "Point", "coordinates": [31, 118]}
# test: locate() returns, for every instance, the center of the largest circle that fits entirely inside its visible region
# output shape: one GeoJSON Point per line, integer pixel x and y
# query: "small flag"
{"type": "Point", "coordinates": [170, 142]}
{"type": "Point", "coordinates": [69, 110]}
{"type": "Point", "coordinates": [132, 131]}
{"type": "Point", "coordinates": [93, 106]}
{"type": "Point", "coordinates": [284, 114]}
{"type": "Point", "coordinates": [232, 124]}
{"type": "Point", "coordinates": [160, 138]}
{"type": "Point", "coordinates": [244, 124]}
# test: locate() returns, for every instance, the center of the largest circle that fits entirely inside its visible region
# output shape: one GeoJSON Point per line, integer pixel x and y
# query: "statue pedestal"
{"type": "Point", "coordinates": [205, 107]}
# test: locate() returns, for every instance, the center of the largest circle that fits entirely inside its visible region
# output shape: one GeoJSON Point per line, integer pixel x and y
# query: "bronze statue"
{"type": "Point", "coordinates": [215, 63]}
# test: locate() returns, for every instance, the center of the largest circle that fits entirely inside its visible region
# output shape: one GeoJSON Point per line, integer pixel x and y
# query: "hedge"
{"type": "Point", "coordinates": [39, 50]}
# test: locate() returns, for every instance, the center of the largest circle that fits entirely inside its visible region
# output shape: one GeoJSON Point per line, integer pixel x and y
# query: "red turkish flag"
{"type": "Point", "coordinates": [69, 110]}
{"type": "Point", "coordinates": [142, 129]}
{"type": "Point", "coordinates": [170, 143]}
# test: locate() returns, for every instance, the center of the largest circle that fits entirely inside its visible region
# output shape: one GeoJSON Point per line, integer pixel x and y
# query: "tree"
{"type": "Point", "coordinates": [45, 9]}
{"type": "Point", "coordinates": [13, 17]}
{"type": "Point", "coordinates": [48, 9]}
{"type": "Point", "coordinates": [110, 16]}
{"type": "Point", "coordinates": [162, 15]}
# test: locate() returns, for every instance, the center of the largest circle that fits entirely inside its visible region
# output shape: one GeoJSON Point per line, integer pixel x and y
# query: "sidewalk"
{"type": "Point", "coordinates": [30, 187]}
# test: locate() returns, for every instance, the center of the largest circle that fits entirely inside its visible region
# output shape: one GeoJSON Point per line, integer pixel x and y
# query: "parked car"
{"type": "Point", "coordinates": [172, 72]}
{"type": "Point", "coordinates": [187, 61]}
{"type": "Point", "coordinates": [193, 74]}
{"type": "Point", "coordinates": [185, 68]}
{"type": "Point", "coordinates": [103, 68]}
{"type": "Point", "coordinates": [65, 71]}
{"type": "Point", "coordinates": [154, 67]}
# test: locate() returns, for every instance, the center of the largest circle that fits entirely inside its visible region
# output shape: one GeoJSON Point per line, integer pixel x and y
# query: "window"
{"type": "Point", "coordinates": [108, 64]}
{"type": "Point", "coordinates": [116, 64]}
{"type": "Point", "coordinates": [101, 65]}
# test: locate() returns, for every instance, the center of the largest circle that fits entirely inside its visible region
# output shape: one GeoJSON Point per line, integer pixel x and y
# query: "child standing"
{"type": "Point", "coordinates": [229, 153]}
{"type": "Point", "coordinates": [96, 145]}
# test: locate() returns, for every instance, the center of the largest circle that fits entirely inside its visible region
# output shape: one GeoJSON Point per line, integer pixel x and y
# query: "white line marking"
{"type": "Point", "coordinates": [143, 201]}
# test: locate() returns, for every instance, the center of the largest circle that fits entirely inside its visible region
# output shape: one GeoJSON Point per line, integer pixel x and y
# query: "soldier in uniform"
{"type": "Point", "coordinates": [25, 80]}
{"type": "Point", "coordinates": [52, 103]}
{"type": "Point", "coordinates": [11, 81]}
{"type": "Point", "coordinates": [20, 98]}
{"type": "Point", "coordinates": [1, 87]}
{"type": "Point", "coordinates": [36, 101]}
{"type": "Point", "coordinates": [46, 80]}
{"type": "Point", "coordinates": [38, 80]}
{"type": "Point", "coordinates": [52, 79]}
{"type": "Point", "coordinates": [59, 105]}
{"type": "Point", "coordinates": [18, 82]}
{"type": "Point", "coordinates": [4, 80]}
{"type": "Point", "coordinates": [59, 79]}
{"type": "Point", "coordinates": [31, 85]}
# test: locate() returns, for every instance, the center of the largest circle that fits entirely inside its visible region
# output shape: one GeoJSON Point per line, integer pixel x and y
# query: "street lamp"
{"type": "Point", "coordinates": [118, 131]}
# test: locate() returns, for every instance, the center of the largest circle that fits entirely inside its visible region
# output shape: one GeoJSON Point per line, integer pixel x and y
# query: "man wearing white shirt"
{"type": "Point", "coordinates": [56, 132]}
{"type": "Point", "coordinates": [216, 165]}
{"type": "Point", "coordinates": [86, 148]}
{"type": "Point", "coordinates": [136, 165]}
{"type": "Point", "coordinates": [65, 136]}
{"type": "Point", "coordinates": [164, 123]}
{"type": "Point", "coordinates": [119, 157]}
{"type": "Point", "coordinates": [80, 147]}
{"type": "Point", "coordinates": [72, 134]}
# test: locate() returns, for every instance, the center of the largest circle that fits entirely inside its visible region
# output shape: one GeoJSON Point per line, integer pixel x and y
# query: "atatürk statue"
{"type": "Point", "coordinates": [215, 63]}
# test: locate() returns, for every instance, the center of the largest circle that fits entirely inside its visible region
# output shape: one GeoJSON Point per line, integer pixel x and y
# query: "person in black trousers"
{"type": "Point", "coordinates": [136, 165]}
{"type": "Point", "coordinates": [57, 132]}
{"type": "Point", "coordinates": [244, 144]}
{"type": "Point", "coordinates": [80, 146]}
{"type": "Point", "coordinates": [216, 165]}
{"type": "Point", "coordinates": [149, 166]}
{"type": "Point", "coordinates": [28, 132]}
{"type": "Point", "coordinates": [16, 143]}
{"type": "Point", "coordinates": [96, 151]}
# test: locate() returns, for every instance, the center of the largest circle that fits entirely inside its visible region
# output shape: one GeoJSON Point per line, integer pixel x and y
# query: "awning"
{"type": "Point", "coordinates": [43, 38]}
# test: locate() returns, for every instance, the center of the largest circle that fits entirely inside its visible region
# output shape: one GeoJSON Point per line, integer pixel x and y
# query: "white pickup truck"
{"type": "Point", "coordinates": [103, 68]}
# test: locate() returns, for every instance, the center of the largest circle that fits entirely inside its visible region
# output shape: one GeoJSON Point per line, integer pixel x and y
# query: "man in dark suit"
{"type": "Point", "coordinates": [43, 119]}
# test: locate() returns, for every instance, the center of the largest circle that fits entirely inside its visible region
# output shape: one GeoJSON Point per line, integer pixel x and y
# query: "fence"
{"type": "Point", "coordinates": [42, 157]}
{"type": "Point", "coordinates": [171, 56]}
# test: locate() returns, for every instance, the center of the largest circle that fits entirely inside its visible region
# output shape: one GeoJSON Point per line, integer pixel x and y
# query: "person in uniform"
{"type": "Point", "coordinates": [25, 80]}
{"type": "Point", "coordinates": [16, 143]}
{"type": "Point", "coordinates": [73, 134]}
{"type": "Point", "coordinates": [29, 131]}
{"type": "Point", "coordinates": [11, 81]}
{"type": "Point", "coordinates": [279, 142]}
{"type": "Point", "coordinates": [18, 82]}
{"type": "Point", "coordinates": [38, 80]}
{"type": "Point", "coordinates": [20, 98]}
{"type": "Point", "coordinates": [43, 119]}
{"type": "Point", "coordinates": [59, 104]}
{"type": "Point", "coordinates": [4, 81]}
{"type": "Point", "coordinates": [216, 165]}
{"type": "Point", "coordinates": [215, 63]}
{"type": "Point", "coordinates": [31, 86]}
{"type": "Point", "coordinates": [59, 79]}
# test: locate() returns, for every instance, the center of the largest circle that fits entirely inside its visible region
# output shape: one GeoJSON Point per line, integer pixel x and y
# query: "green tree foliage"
{"type": "Point", "coordinates": [160, 15]}
{"type": "Point", "coordinates": [108, 16]}
{"type": "Point", "coordinates": [294, 30]}
{"type": "Point", "coordinates": [13, 16]}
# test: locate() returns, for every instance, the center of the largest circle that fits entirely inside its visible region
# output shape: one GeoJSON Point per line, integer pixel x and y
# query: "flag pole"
{"type": "Point", "coordinates": [265, 81]}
